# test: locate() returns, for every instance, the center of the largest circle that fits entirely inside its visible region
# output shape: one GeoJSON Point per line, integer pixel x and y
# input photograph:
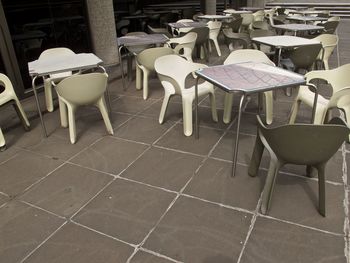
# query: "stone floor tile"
{"type": "Point", "coordinates": [8, 153]}
{"type": "Point", "coordinates": [163, 168]}
{"type": "Point", "coordinates": [141, 129]}
{"type": "Point", "coordinates": [173, 111]}
{"type": "Point", "coordinates": [175, 139]}
{"type": "Point", "coordinates": [67, 189]}
{"type": "Point", "coordinates": [111, 155]}
{"type": "Point", "coordinates": [296, 200]}
{"type": "Point", "coordinates": [144, 257]}
{"type": "Point", "coordinates": [195, 231]}
{"type": "Point", "coordinates": [3, 199]}
{"type": "Point", "coordinates": [23, 170]}
{"type": "Point", "coordinates": [125, 210]}
{"type": "Point", "coordinates": [274, 242]}
{"type": "Point", "coordinates": [132, 105]}
{"type": "Point", "coordinates": [22, 229]}
{"type": "Point", "coordinates": [214, 182]}
{"type": "Point", "coordinates": [75, 244]}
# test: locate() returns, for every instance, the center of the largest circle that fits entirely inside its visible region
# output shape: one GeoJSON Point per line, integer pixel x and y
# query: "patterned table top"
{"type": "Point", "coordinates": [307, 18]}
{"type": "Point", "coordinates": [285, 41]}
{"type": "Point", "coordinates": [129, 41]}
{"type": "Point", "coordinates": [250, 77]}
{"type": "Point", "coordinates": [298, 27]}
{"type": "Point", "coordinates": [187, 24]}
{"type": "Point", "coordinates": [215, 17]}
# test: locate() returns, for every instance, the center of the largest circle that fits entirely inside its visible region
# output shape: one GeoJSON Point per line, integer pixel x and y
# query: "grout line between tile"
{"type": "Point", "coordinates": [159, 255]}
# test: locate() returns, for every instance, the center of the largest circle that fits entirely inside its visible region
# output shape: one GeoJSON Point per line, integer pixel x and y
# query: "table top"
{"type": "Point", "coordinates": [137, 40]}
{"type": "Point", "coordinates": [308, 12]}
{"type": "Point", "coordinates": [187, 24]}
{"type": "Point", "coordinates": [238, 12]}
{"type": "Point", "coordinates": [251, 8]}
{"type": "Point", "coordinates": [71, 62]}
{"type": "Point", "coordinates": [298, 27]}
{"type": "Point", "coordinates": [285, 41]}
{"type": "Point", "coordinates": [307, 18]}
{"type": "Point", "coordinates": [250, 77]}
{"type": "Point", "coordinates": [215, 17]}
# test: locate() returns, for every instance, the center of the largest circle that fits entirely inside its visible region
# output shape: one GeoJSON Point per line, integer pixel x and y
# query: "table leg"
{"type": "Point", "coordinates": [235, 147]}
{"type": "Point", "coordinates": [38, 106]}
{"type": "Point", "coordinates": [196, 132]}
{"type": "Point", "coordinates": [121, 67]}
{"type": "Point", "coordinates": [314, 89]}
{"type": "Point", "coordinates": [108, 94]}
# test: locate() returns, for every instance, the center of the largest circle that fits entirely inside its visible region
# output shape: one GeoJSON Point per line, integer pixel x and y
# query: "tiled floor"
{"type": "Point", "coordinates": [150, 194]}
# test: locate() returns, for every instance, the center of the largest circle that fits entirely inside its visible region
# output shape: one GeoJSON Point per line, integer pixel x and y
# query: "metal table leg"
{"type": "Point", "coordinates": [235, 147]}
{"type": "Point", "coordinates": [38, 106]}
{"type": "Point", "coordinates": [314, 89]}
{"type": "Point", "coordinates": [121, 67]}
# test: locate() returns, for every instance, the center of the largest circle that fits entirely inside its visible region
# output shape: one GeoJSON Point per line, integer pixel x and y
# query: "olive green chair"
{"type": "Point", "coordinates": [301, 144]}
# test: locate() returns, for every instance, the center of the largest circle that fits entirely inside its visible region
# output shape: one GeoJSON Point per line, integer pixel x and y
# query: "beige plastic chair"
{"type": "Point", "coordinates": [79, 90]}
{"type": "Point", "coordinates": [53, 53]}
{"type": "Point", "coordinates": [259, 15]}
{"type": "Point", "coordinates": [248, 55]}
{"type": "Point", "coordinates": [334, 18]}
{"type": "Point", "coordinates": [172, 71]}
{"type": "Point", "coordinates": [145, 64]}
{"type": "Point", "coordinates": [184, 45]}
{"type": "Point", "coordinates": [247, 20]}
{"type": "Point", "coordinates": [329, 43]}
{"type": "Point", "coordinates": [2, 141]}
{"type": "Point", "coordinates": [7, 96]}
{"type": "Point", "coordinates": [339, 79]}
{"type": "Point", "coordinates": [214, 30]}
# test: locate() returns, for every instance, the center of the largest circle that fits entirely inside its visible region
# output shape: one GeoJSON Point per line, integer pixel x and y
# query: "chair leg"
{"type": "Point", "coordinates": [103, 109]}
{"type": "Point", "coordinates": [228, 108]}
{"type": "Point", "coordinates": [145, 84]}
{"type": "Point", "coordinates": [294, 112]}
{"type": "Point", "coordinates": [166, 99]}
{"type": "Point", "coordinates": [347, 117]}
{"type": "Point", "coordinates": [214, 113]}
{"type": "Point", "coordinates": [256, 157]}
{"type": "Point", "coordinates": [48, 95]}
{"type": "Point", "coordinates": [270, 184]}
{"type": "Point", "coordinates": [321, 189]}
{"type": "Point", "coordinates": [63, 113]}
{"type": "Point", "coordinates": [2, 141]}
{"type": "Point", "coordinates": [187, 115]}
{"type": "Point", "coordinates": [138, 77]}
{"type": "Point", "coordinates": [269, 106]}
{"type": "Point", "coordinates": [21, 114]}
{"type": "Point", "coordinates": [71, 120]}
{"type": "Point", "coordinates": [216, 43]}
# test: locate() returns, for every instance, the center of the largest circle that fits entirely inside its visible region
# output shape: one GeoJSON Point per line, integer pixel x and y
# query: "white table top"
{"type": "Point", "coordinates": [187, 24]}
{"type": "Point", "coordinates": [215, 17]}
{"type": "Point", "coordinates": [238, 12]}
{"type": "Point", "coordinates": [306, 18]}
{"type": "Point", "coordinates": [298, 27]}
{"type": "Point", "coordinates": [64, 63]}
{"type": "Point", "coordinates": [137, 40]}
{"type": "Point", "coordinates": [308, 12]}
{"type": "Point", "coordinates": [285, 41]}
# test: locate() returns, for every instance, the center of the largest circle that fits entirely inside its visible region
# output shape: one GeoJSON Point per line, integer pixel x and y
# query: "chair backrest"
{"type": "Point", "coordinates": [247, 19]}
{"type": "Point", "coordinates": [83, 89]}
{"type": "Point", "coordinates": [303, 57]}
{"type": "Point", "coordinates": [57, 52]}
{"type": "Point", "coordinates": [8, 90]}
{"type": "Point", "coordinates": [259, 15]}
{"type": "Point", "coordinates": [214, 28]}
{"type": "Point", "coordinates": [188, 40]}
{"type": "Point", "coordinates": [247, 55]}
{"type": "Point", "coordinates": [307, 144]}
{"type": "Point", "coordinates": [148, 56]}
{"type": "Point", "coordinates": [202, 34]}
{"type": "Point", "coordinates": [339, 77]}
{"type": "Point", "coordinates": [334, 18]}
{"type": "Point", "coordinates": [174, 69]}
{"type": "Point", "coordinates": [260, 25]}
{"type": "Point", "coordinates": [330, 26]}
{"type": "Point", "coordinates": [329, 42]}
{"type": "Point", "coordinates": [235, 24]}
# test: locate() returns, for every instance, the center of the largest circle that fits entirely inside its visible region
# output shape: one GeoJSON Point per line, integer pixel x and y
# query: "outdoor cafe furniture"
{"type": "Point", "coordinates": [184, 45]}
{"type": "Point", "coordinates": [301, 144]}
{"type": "Point", "coordinates": [8, 96]}
{"type": "Point", "coordinates": [215, 17]}
{"type": "Point", "coordinates": [214, 30]}
{"type": "Point", "coordinates": [137, 43]}
{"type": "Point", "coordinates": [46, 67]}
{"type": "Point", "coordinates": [284, 42]}
{"type": "Point", "coordinates": [174, 83]}
{"type": "Point", "coordinates": [145, 65]}
{"type": "Point", "coordinates": [329, 43]}
{"type": "Point", "coordinates": [295, 28]}
{"type": "Point", "coordinates": [245, 79]}
{"type": "Point", "coordinates": [308, 12]}
{"type": "Point", "coordinates": [306, 19]}
{"type": "Point", "coordinates": [237, 12]}
{"type": "Point", "coordinates": [248, 55]}
{"type": "Point", "coordinates": [339, 80]}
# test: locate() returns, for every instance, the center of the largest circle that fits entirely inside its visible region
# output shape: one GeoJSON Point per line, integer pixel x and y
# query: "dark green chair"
{"type": "Point", "coordinates": [302, 144]}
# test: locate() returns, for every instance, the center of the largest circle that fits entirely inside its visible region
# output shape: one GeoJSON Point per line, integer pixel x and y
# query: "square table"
{"type": "Point", "coordinates": [216, 17]}
{"type": "Point", "coordinates": [178, 25]}
{"type": "Point", "coordinates": [306, 19]}
{"type": "Point", "coordinates": [298, 27]}
{"type": "Point", "coordinates": [284, 42]}
{"type": "Point", "coordinates": [247, 78]}
{"type": "Point", "coordinates": [137, 40]}
{"type": "Point", "coordinates": [237, 12]}
{"type": "Point", "coordinates": [72, 62]}
{"type": "Point", "coordinates": [308, 12]}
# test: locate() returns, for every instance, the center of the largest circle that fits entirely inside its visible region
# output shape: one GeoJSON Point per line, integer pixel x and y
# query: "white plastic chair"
{"type": "Point", "coordinates": [248, 18]}
{"type": "Point", "coordinates": [172, 71]}
{"type": "Point", "coordinates": [214, 30]}
{"type": "Point", "coordinates": [339, 79]}
{"type": "Point", "coordinates": [53, 53]}
{"type": "Point", "coordinates": [248, 55]}
{"type": "Point", "coordinates": [259, 15]}
{"type": "Point", "coordinates": [8, 95]}
{"type": "Point", "coordinates": [329, 43]}
{"type": "Point", "coordinates": [184, 45]}
{"type": "Point", "coordinates": [79, 90]}
{"type": "Point", "coordinates": [183, 29]}
{"type": "Point", "coordinates": [145, 64]}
